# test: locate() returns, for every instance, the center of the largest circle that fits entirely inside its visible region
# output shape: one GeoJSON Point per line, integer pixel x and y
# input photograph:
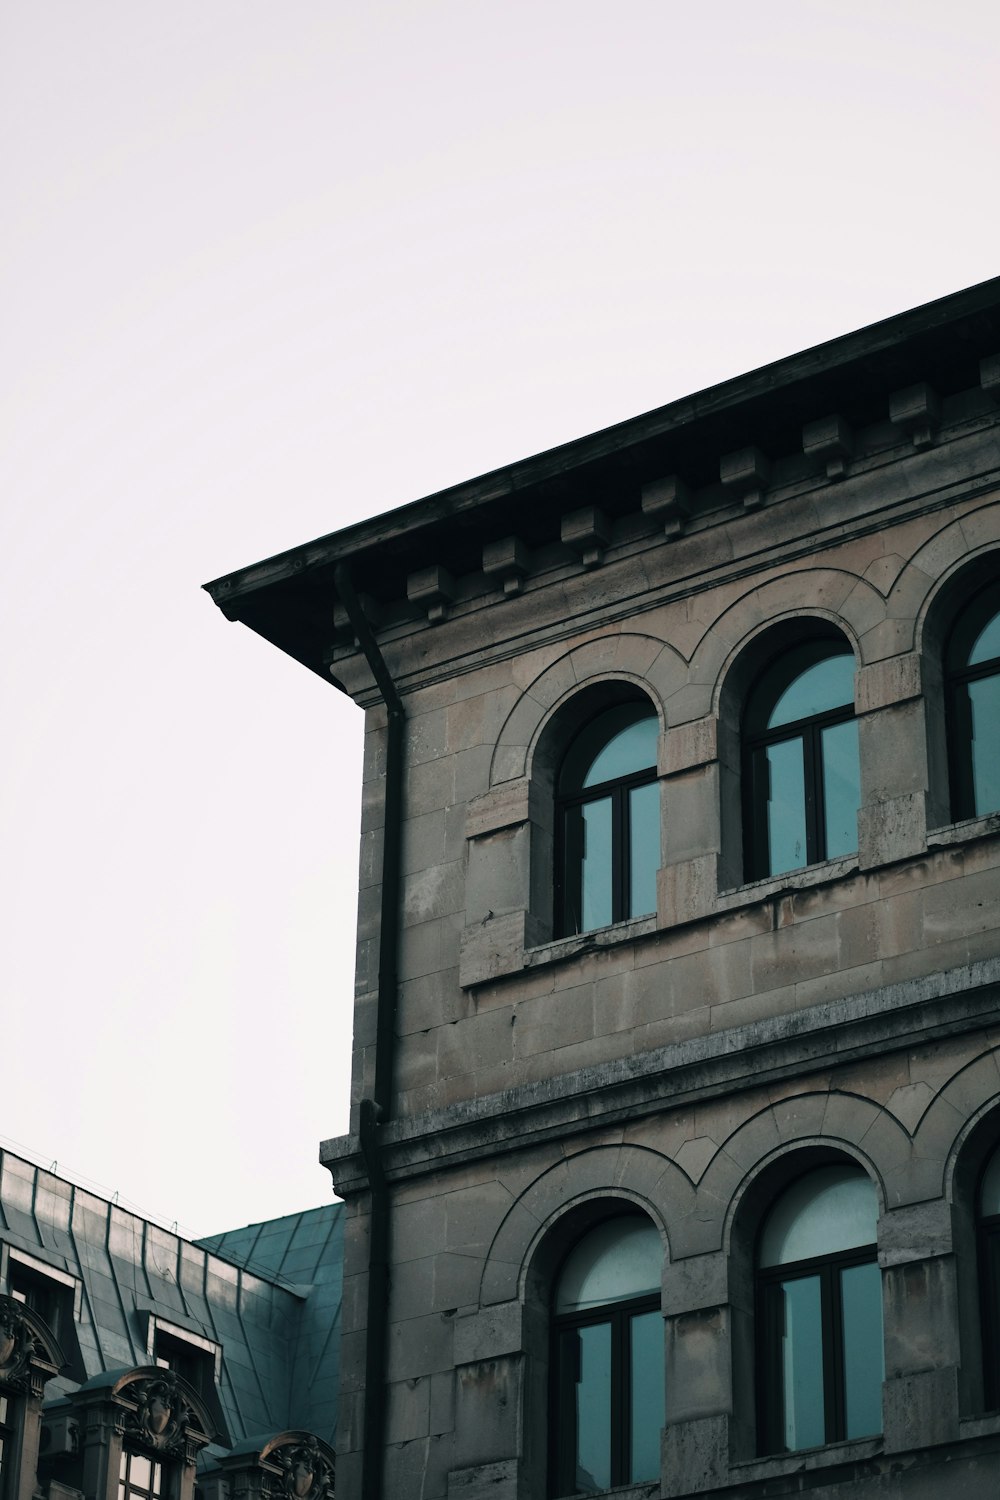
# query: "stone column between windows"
{"type": "Point", "coordinates": [698, 1321]}
{"type": "Point", "coordinates": [690, 875]}
{"type": "Point", "coordinates": [920, 1396]}
{"type": "Point", "coordinates": [501, 1400]}
{"type": "Point", "coordinates": [892, 744]}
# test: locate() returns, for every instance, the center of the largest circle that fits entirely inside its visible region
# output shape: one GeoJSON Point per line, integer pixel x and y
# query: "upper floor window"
{"type": "Point", "coordinates": [989, 1261]}
{"type": "Point", "coordinates": [608, 820]}
{"type": "Point", "coordinates": [973, 670]}
{"type": "Point", "coordinates": [608, 1359]}
{"type": "Point", "coordinates": [802, 782]}
{"type": "Point", "coordinates": [820, 1359]}
{"type": "Point", "coordinates": [49, 1298]}
{"type": "Point", "coordinates": [192, 1364]}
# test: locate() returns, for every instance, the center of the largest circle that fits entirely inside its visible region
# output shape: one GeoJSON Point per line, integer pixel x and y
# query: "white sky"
{"type": "Point", "coordinates": [268, 268]}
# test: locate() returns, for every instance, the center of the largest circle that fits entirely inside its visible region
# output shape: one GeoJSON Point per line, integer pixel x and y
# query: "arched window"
{"type": "Point", "coordinates": [802, 784]}
{"type": "Point", "coordinates": [608, 820]}
{"type": "Point", "coordinates": [989, 1276]}
{"type": "Point", "coordinates": [973, 671]}
{"type": "Point", "coordinates": [820, 1359]}
{"type": "Point", "coordinates": [608, 1359]}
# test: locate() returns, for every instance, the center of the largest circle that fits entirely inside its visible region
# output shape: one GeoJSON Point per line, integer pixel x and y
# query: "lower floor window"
{"type": "Point", "coordinates": [7, 1436]}
{"type": "Point", "coordinates": [140, 1477]}
{"type": "Point", "coordinates": [607, 1398]}
{"type": "Point", "coordinates": [819, 1314]}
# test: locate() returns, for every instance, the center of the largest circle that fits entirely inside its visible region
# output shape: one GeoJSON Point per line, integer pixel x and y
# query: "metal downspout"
{"type": "Point", "coordinates": [374, 1111]}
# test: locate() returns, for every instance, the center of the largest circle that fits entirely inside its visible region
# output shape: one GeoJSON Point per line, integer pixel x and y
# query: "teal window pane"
{"type": "Point", "coordinates": [984, 701]}
{"type": "Point", "coordinates": [631, 749]}
{"type": "Point", "coordinates": [644, 829]}
{"type": "Point", "coordinates": [593, 1408]}
{"type": "Point", "coordinates": [841, 787]}
{"type": "Point", "coordinates": [804, 1421]}
{"type": "Point", "coordinates": [834, 1208]}
{"type": "Point", "coordinates": [618, 1259]}
{"type": "Point", "coordinates": [587, 843]}
{"type": "Point", "coordinates": [864, 1359]}
{"type": "Point", "coordinates": [647, 1395]}
{"type": "Point", "coordinates": [595, 864]}
{"type": "Point", "coordinates": [786, 807]}
{"type": "Point", "coordinates": [989, 1192]}
{"type": "Point", "coordinates": [829, 684]}
{"type": "Point", "coordinates": [987, 644]}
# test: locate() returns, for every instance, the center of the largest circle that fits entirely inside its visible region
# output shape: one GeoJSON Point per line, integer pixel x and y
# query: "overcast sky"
{"type": "Point", "coordinates": [268, 268]}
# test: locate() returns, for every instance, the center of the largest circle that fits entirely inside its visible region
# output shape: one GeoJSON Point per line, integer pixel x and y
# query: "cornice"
{"type": "Point", "coordinates": [811, 419]}
{"type": "Point", "coordinates": [626, 1089]}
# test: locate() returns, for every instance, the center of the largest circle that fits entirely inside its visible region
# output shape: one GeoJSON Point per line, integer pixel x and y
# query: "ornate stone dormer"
{"type": "Point", "coordinates": [292, 1465]}
{"type": "Point", "coordinates": [146, 1410]}
{"type": "Point", "coordinates": [306, 1466]}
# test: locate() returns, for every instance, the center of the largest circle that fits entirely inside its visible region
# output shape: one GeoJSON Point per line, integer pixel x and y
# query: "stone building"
{"type": "Point", "coordinates": [135, 1364]}
{"type": "Point", "coordinates": [674, 1164]}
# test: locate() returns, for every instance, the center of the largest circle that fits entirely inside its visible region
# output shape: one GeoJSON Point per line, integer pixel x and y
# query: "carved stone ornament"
{"type": "Point", "coordinates": [306, 1472]}
{"type": "Point", "coordinates": [17, 1342]}
{"type": "Point", "coordinates": [161, 1415]}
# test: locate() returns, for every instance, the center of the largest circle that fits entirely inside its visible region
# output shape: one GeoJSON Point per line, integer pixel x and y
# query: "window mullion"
{"type": "Point", "coordinates": [619, 840]}
{"type": "Point", "coordinates": [813, 784]}
{"type": "Point", "coordinates": [619, 1400]}
{"type": "Point", "coordinates": [833, 1353]}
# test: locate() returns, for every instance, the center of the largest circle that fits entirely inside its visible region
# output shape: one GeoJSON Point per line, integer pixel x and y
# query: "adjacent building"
{"type": "Point", "coordinates": [674, 1163]}
{"type": "Point", "coordinates": [138, 1365]}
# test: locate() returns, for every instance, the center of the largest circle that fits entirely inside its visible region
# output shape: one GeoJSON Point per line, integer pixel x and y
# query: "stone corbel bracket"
{"type": "Point", "coordinates": [830, 440]}
{"type": "Point", "coordinates": [745, 473]}
{"type": "Point", "coordinates": [588, 533]}
{"type": "Point", "coordinates": [916, 410]}
{"type": "Point", "coordinates": [989, 375]}
{"type": "Point", "coordinates": [668, 500]}
{"type": "Point", "coordinates": [432, 589]}
{"type": "Point", "coordinates": [506, 563]}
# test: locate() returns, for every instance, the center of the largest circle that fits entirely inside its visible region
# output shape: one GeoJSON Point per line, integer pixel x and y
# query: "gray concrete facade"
{"type": "Point", "coordinates": [693, 1062]}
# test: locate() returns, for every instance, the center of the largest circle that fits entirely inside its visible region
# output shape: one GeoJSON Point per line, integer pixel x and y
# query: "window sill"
{"type": "Point", "coordinates": [589, 942]}
{"type": "Point", "coordinates": [792, 880]}
{"type": "Point", "coordinates": [983, 1426]}
{"type": "Point", "coordinates": [964, 832]}
{"type": "Point", "coordinates": [806, 1459]}
{"type": "Point", "coordinates": [506, 945]}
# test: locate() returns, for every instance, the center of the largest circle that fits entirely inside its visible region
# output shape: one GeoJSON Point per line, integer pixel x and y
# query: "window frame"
{"type": "Point", "coordinates": [958, 718]}
{"type": "Point", "coordinates": [617, 789]}
{"type": "Point", "coordinates": [769, 1383]}
{"type": "Point", "coordinates": [755, 769]}
{"type": "Point", "coordinates": [562, 1418]}
{"type": "Point", "coordinates": [125, 1490]}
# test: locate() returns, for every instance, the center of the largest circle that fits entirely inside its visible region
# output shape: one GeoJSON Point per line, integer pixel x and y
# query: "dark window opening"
{"type": "Point", "coordinates": [49, 1299]}
{"type": "Point", "coordinates": [194, 1365]}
